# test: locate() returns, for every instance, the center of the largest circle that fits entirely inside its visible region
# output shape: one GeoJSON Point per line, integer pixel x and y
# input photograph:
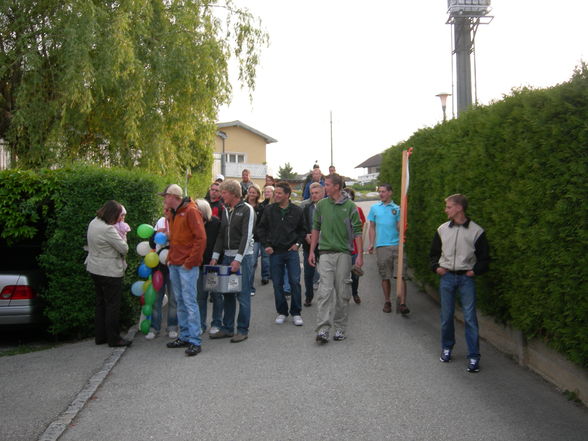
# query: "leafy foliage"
{"type": "Point", "coordinates": [130, 84]}
{"type": "Point", "coordinates": [66, 201]}
{"type": "Point", "coordinates": [523, 163]}
{"type": "Point", "coordinates": [286, 172]}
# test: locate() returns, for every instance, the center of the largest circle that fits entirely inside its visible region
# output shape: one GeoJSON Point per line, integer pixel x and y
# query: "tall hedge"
{"type": "Point", "coordinates": [55, 207]}
{"type": "Point", "coordinates": [523, 163]}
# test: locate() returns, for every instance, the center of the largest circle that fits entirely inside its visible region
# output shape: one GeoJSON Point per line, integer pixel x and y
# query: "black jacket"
{"type": "Point", "coordinates": [236, 232]}
{"type": "Point", "coordinates": [280, 229]}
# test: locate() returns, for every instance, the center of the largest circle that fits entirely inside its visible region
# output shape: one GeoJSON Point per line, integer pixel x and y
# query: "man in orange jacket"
{"type": "Point", "coordinates": [187, 240]}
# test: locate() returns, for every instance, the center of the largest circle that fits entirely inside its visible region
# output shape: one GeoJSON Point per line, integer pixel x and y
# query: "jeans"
{"type": "Point", "coordinates": [286, 265]}
{"type": "Point", "coordinates": [257, 247]}
{"type": "Point", "coordinates": [244, 297]}
{"type": "Point", "coordinates": [450, 284]}
{"type": "Point", "coordinates": [354, 278]}
{"type": "Point", "coordinates": [184, 286]}
{"type": "Point", "coordinates": [217, 304]}
{"type": "Point", "coordinates": [265, 264]}
{"type": "Point", "coordinates": [172, 311]}
{"type": "Point", "coordinates": [311, 276]}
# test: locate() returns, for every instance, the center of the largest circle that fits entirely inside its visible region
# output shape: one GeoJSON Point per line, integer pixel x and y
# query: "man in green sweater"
{"type": "Point", "coordinates": [336, 226]}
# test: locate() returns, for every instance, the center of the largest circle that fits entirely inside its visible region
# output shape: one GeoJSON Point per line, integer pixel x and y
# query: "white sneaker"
{"type": "Point", "coordinates": [150, 335]}
{"type": "Point", "coordinates": [213, 330]}
{"type": "Point", "coordinates": [298, 320]}
{"type": "Point", "coordinates": [172, 334]}
{"type": "Point", "coordinates": [252, 293]}
{"type": "Point", "coordinates": [280, 319]}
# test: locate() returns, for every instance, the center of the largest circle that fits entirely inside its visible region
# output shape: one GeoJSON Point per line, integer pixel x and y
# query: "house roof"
{"type": "Point", "coordinates": [374, 161]}
{"type": "Point", "coordinates": [268, 139]}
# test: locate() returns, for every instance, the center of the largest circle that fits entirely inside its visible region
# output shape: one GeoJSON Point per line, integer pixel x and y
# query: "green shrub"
{"type": "Point", "coordinates": [523, 163]}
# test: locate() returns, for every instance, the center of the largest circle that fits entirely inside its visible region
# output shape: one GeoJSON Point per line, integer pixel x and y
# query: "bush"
{"type": "Point", "coordinates": [523, 163]}
{"type": "Point", "coordinates": [56, 206]}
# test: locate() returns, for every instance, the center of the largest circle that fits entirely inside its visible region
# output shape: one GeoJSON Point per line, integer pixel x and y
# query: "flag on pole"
{"type": "Point", "coordinates": [400, 285]}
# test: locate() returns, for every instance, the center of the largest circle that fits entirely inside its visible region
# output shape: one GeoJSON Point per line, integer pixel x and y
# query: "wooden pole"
{"type": "Point", "coordinates": [402, 229]}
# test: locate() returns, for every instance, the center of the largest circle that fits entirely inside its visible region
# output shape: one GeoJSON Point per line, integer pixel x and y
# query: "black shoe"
{"type": "Point", "coordinates": [356, 299]}
{"type": "Point", "coordinates": [120, 343]}
{"type": "Point", "coordinates": [404, 309]}
{"type": "Point", "coordinates": [264, 281]}
{"type": "Point", "coordinates": [177, 343]}
{"type": "Point", "coordinates": [308, 301]}
{"type": "Point", "coordinates": [193, 350]}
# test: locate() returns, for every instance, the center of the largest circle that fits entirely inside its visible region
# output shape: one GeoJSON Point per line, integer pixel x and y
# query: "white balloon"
{"type": "Point", "coordinates": [143, 248]}
{"type": "Point", "coordinates": [163, 256]}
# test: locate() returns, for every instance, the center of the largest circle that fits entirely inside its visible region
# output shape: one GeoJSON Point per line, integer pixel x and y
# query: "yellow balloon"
{"type": "Point", "coordinates": [152, 259]}
{"type": "Point", "coordinates": [146, 285]}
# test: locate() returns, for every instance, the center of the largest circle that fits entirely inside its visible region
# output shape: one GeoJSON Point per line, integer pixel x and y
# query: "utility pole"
{"type": "Point", "coordinates": [331, 115]}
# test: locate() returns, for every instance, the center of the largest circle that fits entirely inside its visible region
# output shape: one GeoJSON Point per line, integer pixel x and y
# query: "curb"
{"type": "Point", "coordinates": [54, 431]}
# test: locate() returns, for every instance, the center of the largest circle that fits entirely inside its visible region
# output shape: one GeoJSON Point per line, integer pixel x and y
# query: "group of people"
{"type": "Point", "coordinates": [238, 224]}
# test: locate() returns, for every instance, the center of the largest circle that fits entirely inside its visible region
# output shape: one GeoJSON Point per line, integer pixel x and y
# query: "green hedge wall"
{"type": "Point", "coordinates": [523, 163]}
{"type": "Point", "coordinates": [56, 206]}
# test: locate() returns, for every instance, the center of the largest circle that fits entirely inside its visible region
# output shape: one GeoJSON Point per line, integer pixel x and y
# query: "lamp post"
{"type": "Point", "coordinates": [443, 98]}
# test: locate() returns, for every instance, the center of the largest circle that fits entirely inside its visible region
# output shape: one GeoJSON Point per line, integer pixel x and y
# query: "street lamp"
{"type": "Point", "coordinates": [443, 98]}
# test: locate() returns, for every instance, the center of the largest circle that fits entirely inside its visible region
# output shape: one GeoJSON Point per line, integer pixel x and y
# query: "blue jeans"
{"type": "Point", "coordinates": [172, 312]}
{"type": "Point", "coordinates": [265, 265]}
{"type": "Point", "coordinates": [257, 247]}
{"type": "Point", "coordinates": [184, 286]}
{"type": "Point", "coordinates": [286, 265]}
{"type": "Point", "coordinates": [310, 276]}
{"type": "Point", "coordinates": [244, 297]}
{"type": "Point", "coordinates": [217, 304]}
{"type": "Point", "coordinates": [450, 284]}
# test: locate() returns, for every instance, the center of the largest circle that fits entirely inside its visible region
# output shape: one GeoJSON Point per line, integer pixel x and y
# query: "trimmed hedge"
{"type": "Point", "coordinates": [56, 206]}
{"type": "Point", "coordinates": [523, 163]}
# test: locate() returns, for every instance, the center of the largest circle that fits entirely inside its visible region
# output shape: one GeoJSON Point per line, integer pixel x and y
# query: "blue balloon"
{"type": "Point", "coordinates": [160, 238]}
{"type": "Point", "coordinates": [144, 271]}
{"type": "Point", "coordinates": [137, 288]}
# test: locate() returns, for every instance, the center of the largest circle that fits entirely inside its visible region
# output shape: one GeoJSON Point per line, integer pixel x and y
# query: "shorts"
{"type": "Point", "coordinates": [387, 258]}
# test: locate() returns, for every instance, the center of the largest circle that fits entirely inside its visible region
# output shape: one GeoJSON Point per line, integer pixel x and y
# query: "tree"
{"type": "Point", "coordinates": [286, 172]}
{"type": "Point", "coordinates": [134, 83]}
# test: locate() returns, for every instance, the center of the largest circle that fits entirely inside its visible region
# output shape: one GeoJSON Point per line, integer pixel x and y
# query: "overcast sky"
{"type": "Point", "coordinates": [378, 65]}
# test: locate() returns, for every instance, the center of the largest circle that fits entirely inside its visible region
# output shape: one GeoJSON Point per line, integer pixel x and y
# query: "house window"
{"type": "Point", "coordinates": [235, 158]}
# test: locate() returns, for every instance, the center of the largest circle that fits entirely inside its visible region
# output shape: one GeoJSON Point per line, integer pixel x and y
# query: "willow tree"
{"type": "Point", "coordinates": [131, 83]}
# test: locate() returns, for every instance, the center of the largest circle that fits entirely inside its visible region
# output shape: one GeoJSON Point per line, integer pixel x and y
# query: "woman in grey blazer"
{"type": "Point", "coordinates": [106, 264]}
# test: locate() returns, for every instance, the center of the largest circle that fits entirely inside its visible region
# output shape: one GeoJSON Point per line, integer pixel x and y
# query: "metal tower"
{"type": "Point", "coordinates": [465, 16]}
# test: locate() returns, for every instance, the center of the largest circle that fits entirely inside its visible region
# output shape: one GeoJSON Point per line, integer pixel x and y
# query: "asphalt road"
{"type": "Point", "coordinates": [384, 382]}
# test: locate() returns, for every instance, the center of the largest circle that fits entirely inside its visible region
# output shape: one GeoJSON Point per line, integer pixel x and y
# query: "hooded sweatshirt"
{"type": "Point", "coordinates": [338, 223]}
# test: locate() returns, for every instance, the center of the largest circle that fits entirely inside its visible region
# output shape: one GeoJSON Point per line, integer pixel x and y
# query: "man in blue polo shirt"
{"type": "Point", "coordinates": [384, 218]}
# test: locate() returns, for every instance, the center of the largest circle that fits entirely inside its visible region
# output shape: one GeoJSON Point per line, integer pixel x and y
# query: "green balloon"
{"type": "Point", "coordinates": [147, 310]}
{"type": "Point", "coordinates": [149, 296]}
{"type": "Point", "coordinates": [145, 231]}
{"type": "Point", "coordinates": [145, 326]}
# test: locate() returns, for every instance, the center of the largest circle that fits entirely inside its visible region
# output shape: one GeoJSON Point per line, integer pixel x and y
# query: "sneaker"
{"type": "Point", "coordinates": [213, 330]}
{"type": "Point", "coordinates": [177, 343]}
{"type": "Point", "coordinates": [280, 319]}
{"type": "Point", "coordinates": [238, 338]}
{"type": "Point", "coordinates": [220, 334]}
{"type": "Point", "coordinates": [150, 335]}
{"type": "Point", "coordinates": [356, 299]}
{"type": "Point", "coordinates": [172, 334]}
{"type": "Point", "coordinates": [298, 320]}
{"type": "Point", "coordinates": [193, 350]}
{"type": "Point", "coordinates": [473, 366]}
{"type": "Point", "coordinates": [339, 335]}
{"type": "Point", "coordinates": [445, 355]}
{"type": "Point", "coordinates": [252, 293]}
{"type": "Point", "coordinates": [387, 307]}
{"type": "Point", "coordinates": [322, 337]}
{"type": "Point", "coordinates": [403, 309]}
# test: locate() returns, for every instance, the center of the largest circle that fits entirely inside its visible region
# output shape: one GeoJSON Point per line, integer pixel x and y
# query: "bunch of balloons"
{"type": "Point", "coordinates": [146, 290]}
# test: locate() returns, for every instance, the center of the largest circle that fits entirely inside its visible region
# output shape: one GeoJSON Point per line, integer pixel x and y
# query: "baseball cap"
{"type": "Point", "coordinates": [173, 189]}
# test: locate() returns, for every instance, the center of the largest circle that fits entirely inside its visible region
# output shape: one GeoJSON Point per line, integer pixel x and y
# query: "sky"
{"type": "Point", "coordinates": [378, 66]}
